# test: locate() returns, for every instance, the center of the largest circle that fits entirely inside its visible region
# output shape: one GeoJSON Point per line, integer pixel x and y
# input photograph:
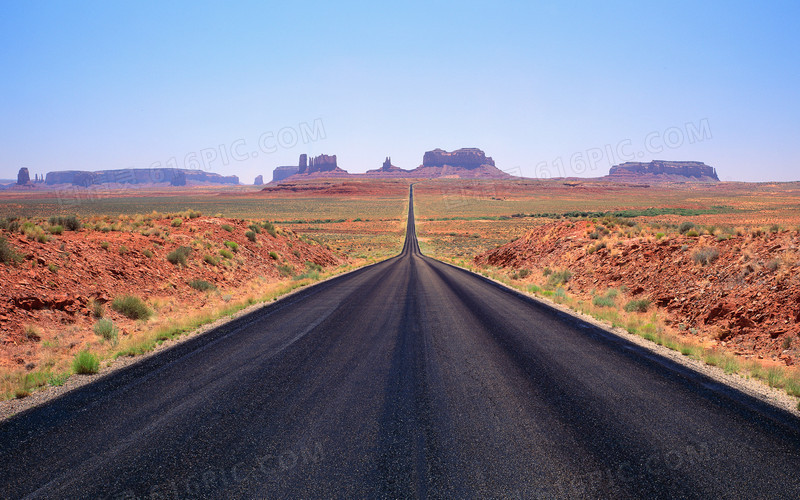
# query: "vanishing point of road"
{"type": "Point", "coordinates": [405, 379]}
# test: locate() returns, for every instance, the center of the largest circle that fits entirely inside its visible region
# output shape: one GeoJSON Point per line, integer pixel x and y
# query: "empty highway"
{"type": "Point", "coordinates": [406, 379]}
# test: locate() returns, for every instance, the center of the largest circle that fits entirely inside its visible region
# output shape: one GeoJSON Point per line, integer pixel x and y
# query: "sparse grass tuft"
{"type": "Point", "coordinates": [637, 305]}
{"type": "Point", "coordinates": [705, 256]}
{"type": "Point", "coordinates": [176, 222]}
{"type": "Point", "coordinates": [132, 307]}
{"type": "Point", "coordinates": [227, 227]}
{"type": "Point", "coordinates": [106, 329]}
{"type": "Point", "coordinates": [85, 363]}
{"type": "Point", "coordinates": [559, 278]}
{"type": "Point", "coordinates": [232, 245]}
{"type": "Point", "coordinates": [274, 255]}
{"type": "Point", "coordinates": [251, 235]}
{"type": "Point", "coordinates": [210, 259]}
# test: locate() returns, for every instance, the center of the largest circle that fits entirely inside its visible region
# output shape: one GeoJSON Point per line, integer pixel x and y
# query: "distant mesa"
{"type": "Point", "coordinates": [467, 158]}
{"type": "Point", "coordinates": [259, 180]}
{"type": "Point", "coordinates": [281, 173]}
{"type": "Point", "coordinates": [137, 176]}
{"type": "Point", "coordinates": [677, 171]}
{"type": "Point", "coordinates": [468, 163]}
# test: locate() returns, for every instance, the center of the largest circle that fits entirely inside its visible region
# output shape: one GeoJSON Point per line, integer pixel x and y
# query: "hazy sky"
{"type": "Point", "coordinates": [545, 88]}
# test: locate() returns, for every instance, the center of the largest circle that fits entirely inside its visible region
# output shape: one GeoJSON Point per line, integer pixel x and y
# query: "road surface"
{"type": "Point", "coordinates": [406, 379]}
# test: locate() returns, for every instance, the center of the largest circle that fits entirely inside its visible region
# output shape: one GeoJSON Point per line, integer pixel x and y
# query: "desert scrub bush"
{"type": "Point", "coordinates": [210, 259]}
{"type": "Point", "coordinates": [637, 305]}
{"type": "Point", "coordinates": [274, 255]}
{"type": "Point", "coordinates": [104, 245]}
{"type": "Point", "coordinates": [705, 256]}
{"type": "Point", "coordinates": [106, 329]}
{"type": "Point", "coordinates": [52, 268]}
{"type": "Point", "coordinates": [313, 266]}
{"type": "Point", "coordinates": [123, 250]}
{"type": "Point", "coordinates": [85, 363]}
{"type": "Point", "coordinates": [232, 245]}
{"type": "Point", "coordinates": [176, 222]}
{"type": "Point", "coordinates": [147, 253]}
{"type": "Point", "coordinates": [69, 222]}
{"type": "Point", "coordinates": [32, 333]}
{"type": "Point", "coordinates": [132, 307]}
{"type": "Point", "coordinates": [606, 300]}
{"type": "Point", "coordinates": [227, 227]}
{"type": "Point", "coordinates": [594, 248]}
{"type": "Point", "coordinates": [521, 274]}
{"type": "Point", "coordinates": [685, 227]}
{"type": "Point", "coordinates": [57, 229]}
{"type": "Point", "coordinates": [559, 277]}
{"type": "Point", "coordinates": [97, 308]}
{"type": "Point", "coordinates": [773, 265]}
{"type": "Point", "coordinates": [226, 253]}
{"type": "Point", "coordinates": [180, 255]}
{"type": "Point", "coordinates": [7, 253]}
{"type": "Point", "coordinates": [10, 224]}
{"type": "Point", "coordinates": [270, 228]}
{"type": "Point", "coordinates": [255, 228]}
{"type": "Point", "coordinates": [202, 285]}
{"type": "Point", "coordinates": [250, 235]}
{"type": "Point", "coordinates": [34, 232]}
{"type": "Point", "coordinates": [285, 270]}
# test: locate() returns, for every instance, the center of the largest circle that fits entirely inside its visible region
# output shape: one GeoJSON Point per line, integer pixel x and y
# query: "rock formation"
{"type": "Point", "coordinates": [259, 180]}
{"type": "Point", "coordinates": [665, 170]}
{"type": "Point", "coordinates": [173, 176]}
{"type": "Point", "coordinates": [321, 163]}
{"type": "Point", "coordinates": [281, 173]}
{"type": "Point", "coordinates": [468, 158]}
{"type": "Point", "coordinates": [23, 177]}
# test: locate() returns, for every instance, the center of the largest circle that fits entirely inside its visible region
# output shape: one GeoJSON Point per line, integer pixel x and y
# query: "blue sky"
{"type": "Point", "coordinates": [545, 88]}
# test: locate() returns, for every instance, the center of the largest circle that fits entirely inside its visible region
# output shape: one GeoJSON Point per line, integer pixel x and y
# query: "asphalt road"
{"type": "Point", "coordinates": [409, 378]}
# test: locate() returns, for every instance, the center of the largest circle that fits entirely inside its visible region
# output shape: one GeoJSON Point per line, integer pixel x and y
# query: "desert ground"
{"type": "Point", "coordinates": [707, 269]}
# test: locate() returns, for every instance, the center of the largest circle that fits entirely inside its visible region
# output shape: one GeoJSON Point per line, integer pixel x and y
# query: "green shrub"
{"type": "Point", "coordinates": [193, 214]}
{"type": "Point", "coordinates": [202, 285]}
{"type": "Point", "coordinates": [10, 224]}
{"type": "Point", "coordinates": [52, 268]}
{"type": "Point", "coordinates": [179, 255]}
{"type": "Point", "coordinates": [85, 363]}
{"type": "Point", "coordinates": [106, 329]}
{"type": "Point", "coordinates": [250, 236]}
{"type": "Point", "coordinates": [123, 250]}
{"type": "Point", "coordinates": [7, 253]}
{"type": "Point", "coordinates": [69, 222]}
{"type": "Point", "coordinates": [176, 222]}
{"type": "Point", "coordinates": [270, 228]}
{"type": "Point", "coordinates": [104, 245]}
{"type": "Point", "coordinates": [692, 234]}
{"type": "Point", "coordinates": [559, 277]}
{"type": "Point", "coordinates": [274, 255]}
{"type": "Point", "coordinates": [210, 259]}
{"type": "Point", "coordinates": [313, 275]}
{"type": "Point", "coordinates": [637, 305]}
{"type": "Point", "coordinates": [226, 253]}
{"type": "Point", "coordinates": [705, 256]}
{"type": "Point", "coordinates": [255, 228]}
{"type": "Point", "coordinates": [547, 272]}
{"type": "Point", "coordinates": [685, 227]}
{"type": "Point", "coordinates": [132, 307]}
{"type": "Point", "coordinates": [56, 229]}
{"type": "Point", "coordinates": [147, 253]}
{"type": "Point", "coordinates": [313, 266]}
{"type": "Point", "coordinates": [603, 301]}
{"type": "Point", "coordinates": [285, 270]}
{"type": "Point", "coordinates": [232, 245]}
{"type": "Point", "coordinates": [227, 227]}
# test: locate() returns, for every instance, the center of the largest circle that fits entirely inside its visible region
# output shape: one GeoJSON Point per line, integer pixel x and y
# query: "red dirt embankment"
{"type": "Point", "coordinates": [48, 300]}
{"type": "Point", "coordinates": [746, 299]}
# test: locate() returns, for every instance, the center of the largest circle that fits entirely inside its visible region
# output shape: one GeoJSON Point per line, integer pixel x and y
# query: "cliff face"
{"type": "Point", "coordinates": [321, 163]}
{"type": "Point", "coordinates": [259, 180]}
{"type": "Point", "coordinates": [173, 176]}
{"type": "Point", "coordinates": [667, 170]}
{"type": "Point", "coordinates": [468, 158]}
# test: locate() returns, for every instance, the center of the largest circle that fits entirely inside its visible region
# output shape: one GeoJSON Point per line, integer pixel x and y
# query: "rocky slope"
{"type": "Point", "coordinates": [746, 298]}
{"type": "Point", "coordinates": [46, 309]}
